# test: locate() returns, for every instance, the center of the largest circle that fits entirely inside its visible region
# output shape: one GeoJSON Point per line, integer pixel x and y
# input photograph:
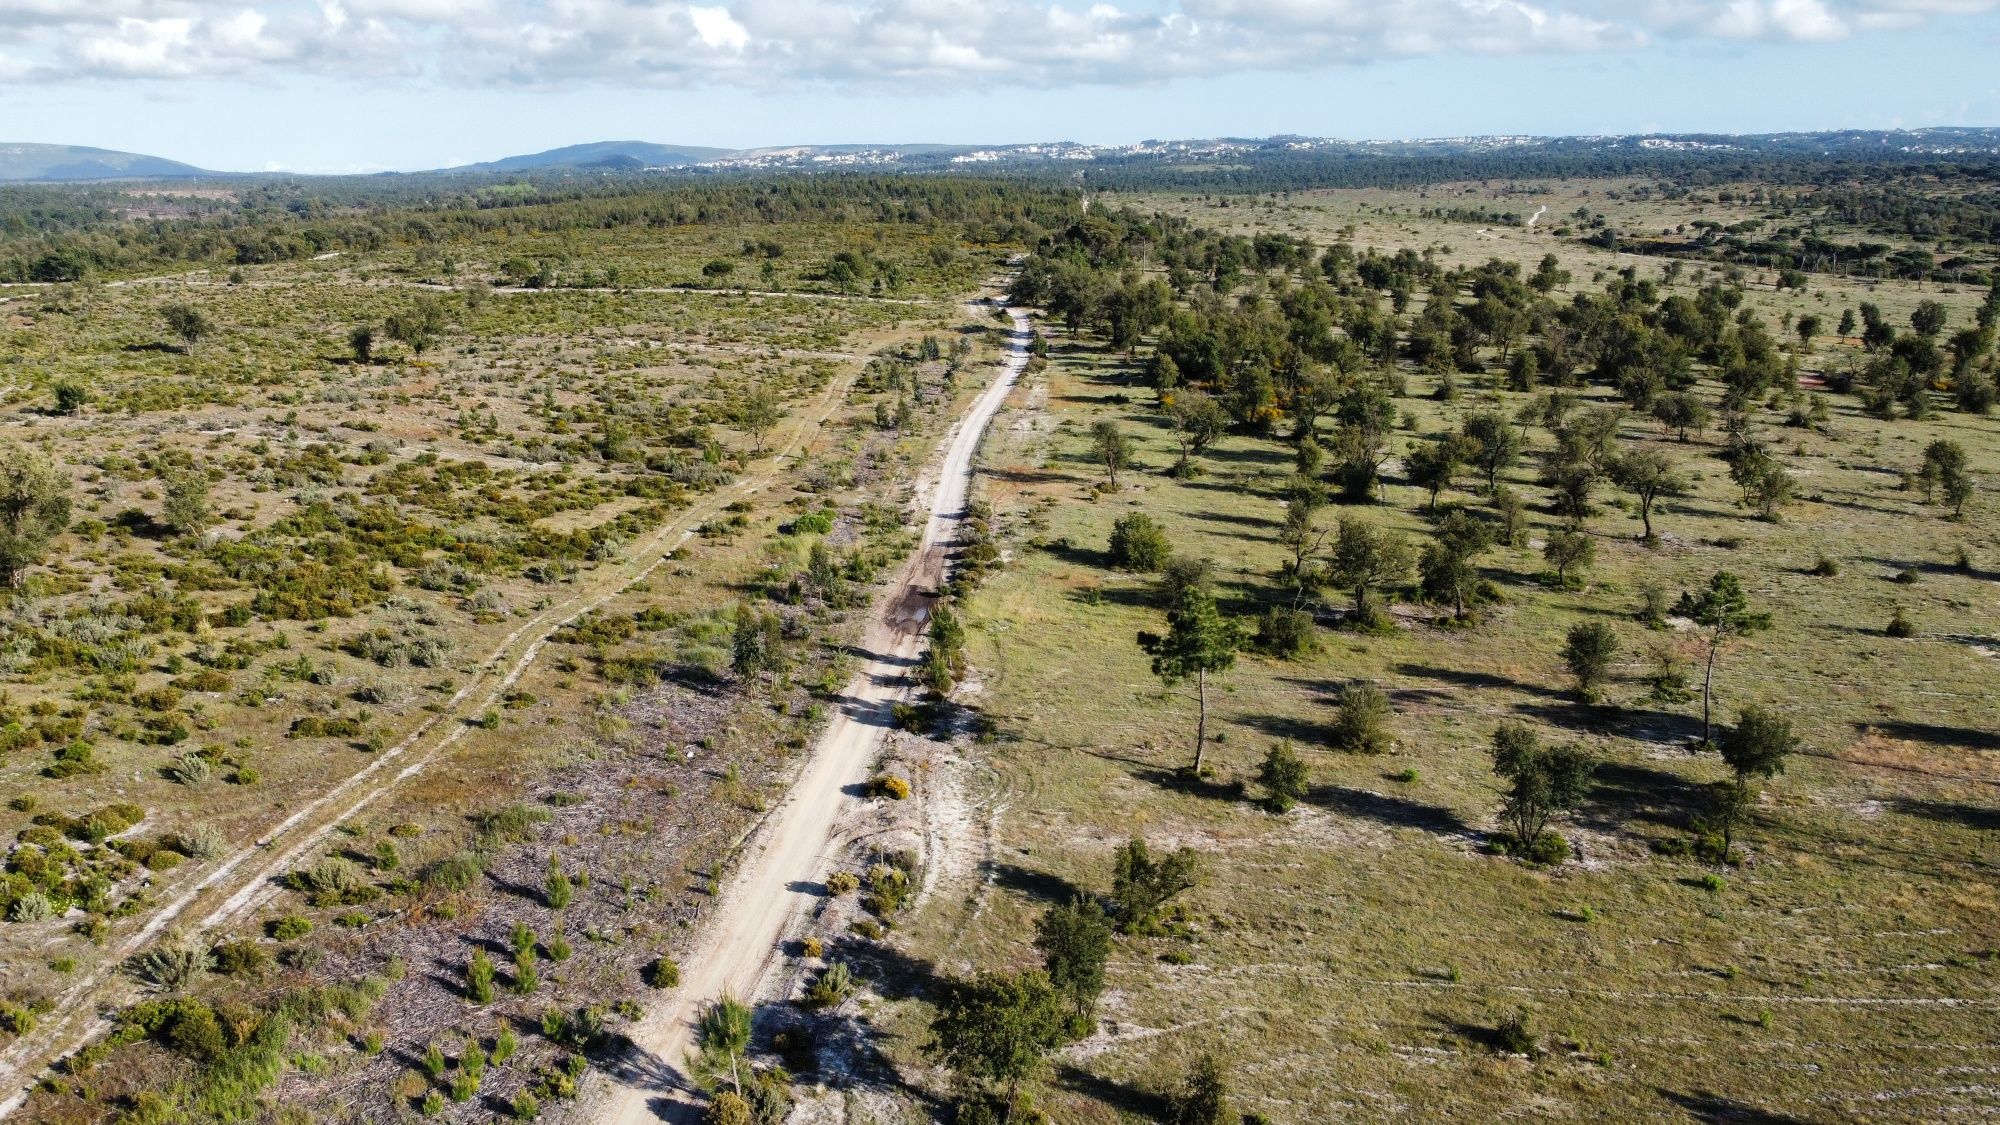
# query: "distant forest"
{"type": "Point", "coordinates": [65, 233]}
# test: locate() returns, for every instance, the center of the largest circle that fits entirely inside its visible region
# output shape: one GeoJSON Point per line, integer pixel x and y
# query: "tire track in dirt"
{"type": "Point", "coordinates": [776, 880]}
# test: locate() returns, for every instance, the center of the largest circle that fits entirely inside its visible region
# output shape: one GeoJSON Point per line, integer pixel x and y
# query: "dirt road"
{"type": "Point", "coordinates": [778, 876]}
{"type": "Point", "coordinates": [237, 884]}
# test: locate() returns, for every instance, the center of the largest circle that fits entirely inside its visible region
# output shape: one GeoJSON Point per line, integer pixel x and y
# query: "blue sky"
{"type": "Point", "coordinates": [364, 85]}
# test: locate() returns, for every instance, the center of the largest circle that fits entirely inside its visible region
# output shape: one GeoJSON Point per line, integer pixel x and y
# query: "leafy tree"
{"type": "Point", "coordinates": [758, 644]}
{"type": "Point", "coordinates": [998, 1028]}
{"type": "Point", "coordinates": [1929, 319]}
{"type": "Point", "coordinates": [1766, 485]}
{"type": "Point", "coordinates": [1588, 649]}
{"type": "Point", "coordinates": [1141, 886]}
{"type": "Point", "coordinates": [944, 657]}
{"type": "Point", "coordinates": [418, 326]}
{"type": "Point", "coordinates": [1570, 484]}
{"type": "Point", "coordinates": [1203, 1097]}
{"type": "Point", "coordinates": [1445, 570]}
{"type": "Point", "coordinates": [1543, 783]}
{"type": "Point", "coordinates": [1180, 574]}
{"type": "Point", "coordinates": [362, 342]}
{"type": "Point", "coordinates": [1138, 543]}
{"type": "Point", "coordinates": [1729, 805]}
{"type": "Point", "coordinates": [1365, 559]}
{"type": "Point", "coordinates": [1756, 747]}
{"type": "Point", "coordinates": [1569, 553]}
{"type": "Point", "coordinates": [1303, 571]}
{"type": "Point", "coordinates": [1075, 941]}
{"type": "Point", "coordinates": [1944, 472]}
{"type": "Point", "coordinates": [1110, 448]}
{"type": "Point", "coordinates": [759, 414]}
{"type": "Point", "coordinates": [1681, 411]}
{"type": "Point", "coordinates": [1284, 776]}
{"type": "Point", "coordinates": [1723, 612]}
{"type": "Point", "coordinates": [1513, 513]}
{"type": "Point", "coordinates": [1433, 465]}
{"type": "Point", "coordinates": [1494, 445]}
{"type": "Point", "coordinates": [1199, 641]}
{"type": "Point", "coordinates": [1648, 475]}
{"type": "Point", "coordinates": [186, 509]}
{"type": "Point", "coordinates": [189, 324]}
{"type": "Point", "coordinates": [34, 508]}
{"type": "Point", "coordinates": [1807, 327]}
{"type": "Point", "coordinates": [1758, 744]}
{"type": "Point", "coordinates": [1198, 420]}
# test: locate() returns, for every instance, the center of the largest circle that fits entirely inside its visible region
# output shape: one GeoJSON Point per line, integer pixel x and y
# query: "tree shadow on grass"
{"type": "Point", "coordinates": [893, 973]}
{"type": "Point", "coordinates": [1025, 476]}
{"type": "Point", "coordinates": [1040, 885]}
{"type": "Point", "coordinates": [1982, 817]}
{"type": "Point", "coordinates": [1470, 679]}
{"type": "Point", "coordinates": [1622, 793]}
{"type": "Point", "coordinates": [1246, 455]}
{"type": "Point", "coordinates": [1298, 730]}
{"type": "Point", "coordinates": [1932, 566]}
{"type": "Point", "coordinates": [1472, 1034]}
{"type": "Point", "coordinates": [1079, 556]}
{"type": "Point", "coordinates": [1395, 812]}
{"type": "Point", "coordinates": [1122, 1097]}
{"type": "Point", "coordinates": [1936, 735]}
{"type": "Point", "coordinates": [1230, 518]}
{"type": "Point", "coordinates": [1714, 1109]}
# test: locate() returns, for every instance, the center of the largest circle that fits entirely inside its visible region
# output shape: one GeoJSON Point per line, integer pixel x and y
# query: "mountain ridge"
{"type": "Point", "coordinates": [46, 163]}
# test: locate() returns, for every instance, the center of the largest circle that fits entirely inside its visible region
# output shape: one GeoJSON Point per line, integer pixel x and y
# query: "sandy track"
{"type": "Point", "coordinates": [241, 881]}
{"type": "Point", "coordinates": [778, 877]}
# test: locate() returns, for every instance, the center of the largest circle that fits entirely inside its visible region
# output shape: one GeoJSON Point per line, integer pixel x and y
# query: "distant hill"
{"type": "Point", "coordinates": [77, 162]}
{"type": "Point", "coordinates": [612, 156]}
{"type": "Point", "coordinates": [1245, 163]}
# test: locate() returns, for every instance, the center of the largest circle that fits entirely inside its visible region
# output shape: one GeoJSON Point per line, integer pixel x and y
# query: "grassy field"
{"type": "Point", "coordinates": [378, 527]}
{"type": "Point", "coordinates": [520, 552]}
{"type": "Point", "coordinates": [1355, 957]}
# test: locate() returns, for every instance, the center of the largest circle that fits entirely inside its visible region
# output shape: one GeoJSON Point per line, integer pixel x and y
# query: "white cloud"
{"type": "Point", "coordinates": [715, 27]}
{"type": "Point", "coordinates": [895, 44]}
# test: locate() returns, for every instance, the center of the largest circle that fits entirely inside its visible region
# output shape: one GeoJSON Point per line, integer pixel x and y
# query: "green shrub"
{"type": "Point", "coordinates": [834, 985]}
{"type": "Point", "coordinates": [479, 978]}
{"type": "Point", "coordinates": [1139, 544]}
{"type": "Point", "coordinates": [241, 958]}
{"type": "Point", "coordinates": [291, 927]}
{"type": "Point", "coordinates": [73, 759]}
{"type": "Point", "coordinates": [1286, 633]}
{"type": "Point", "coordinates": [1900, 625]}
{"type": "Point", "coordinates": [171, 965]}
{"type": "Point", "coordinates": [663, 972]}
{"type": "Point", "coordinates": [557, 887]}
{"type": "Point", "coordinates": [1513, 1036]}
{"type": "Point", "coordinates": [1360, 726]}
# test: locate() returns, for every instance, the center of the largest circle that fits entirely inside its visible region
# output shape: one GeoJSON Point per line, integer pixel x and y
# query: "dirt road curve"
{"type": "Point", "coordinates": [784, 862]}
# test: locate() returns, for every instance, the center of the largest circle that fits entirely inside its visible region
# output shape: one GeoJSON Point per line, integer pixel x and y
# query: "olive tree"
{"type": "Point", "coordinates": [1722, 611]}
{"type": "Point", "coordinates": [1542, 783]}
{"type": "Point", "coordinates": [34, 508]}
{"type": "Point", "coordinates": [1198, 642]}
